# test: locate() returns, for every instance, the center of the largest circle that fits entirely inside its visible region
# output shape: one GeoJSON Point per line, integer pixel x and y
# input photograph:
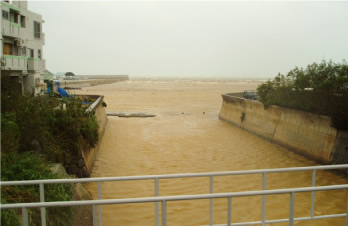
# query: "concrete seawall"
{"type": "Point", "coordinates": [305, 133]}
{"type": "Point", "coordinates": [100, 113]}
{"type": "Point", "coordinates": [82, 164]}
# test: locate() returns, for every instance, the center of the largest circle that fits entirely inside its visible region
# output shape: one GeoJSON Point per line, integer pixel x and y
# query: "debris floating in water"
{"type": "Point", "coordinates": [130, 115]}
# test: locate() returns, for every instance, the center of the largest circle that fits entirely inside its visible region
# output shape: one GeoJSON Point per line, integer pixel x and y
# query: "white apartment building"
{"type": "Point", "coordinates": [21, 45]}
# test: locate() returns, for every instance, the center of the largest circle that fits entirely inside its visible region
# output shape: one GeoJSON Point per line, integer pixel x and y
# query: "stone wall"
{"type": "Point", "coordinates": [305, 133]}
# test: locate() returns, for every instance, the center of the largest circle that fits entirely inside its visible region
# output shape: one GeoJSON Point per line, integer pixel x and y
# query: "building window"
{"type": "Point", "coordinates": [14, 17]}
{"type": "Point", "coordinates": [23, 21]}
{"type": "Point", "coordinates": [17, 51]}
{"type": "Point", "coordinates": [37, 29]}
{"type": "Point", "coordinates": [39, 53]}
{"type": "Point", "coordinates": [7, 49]}
{"type": "Point", "coordinates": [31, 51]}
{"type": "Point", "coordinates": [5, 14]}
{"type": "Point", "coordinates": [24, 51]}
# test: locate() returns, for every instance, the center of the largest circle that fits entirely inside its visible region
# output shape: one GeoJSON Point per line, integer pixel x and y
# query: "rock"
{"type": "Point", "coordinates": [58, 169]}
{"type": "Point", "coordinates": [79, 173]}
{"type": "Point", "coordinates": [81, 163]}
{"type": "Point", "coordinates": [85, 172]}
{"type": "Point", "coordinates": [73, 169]}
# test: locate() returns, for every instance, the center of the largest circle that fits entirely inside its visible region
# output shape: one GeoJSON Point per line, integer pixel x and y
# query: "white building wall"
{"type": "Point", "coordinates": [30, 65]}
{"type": "Point", "coordinates": [31, 83]}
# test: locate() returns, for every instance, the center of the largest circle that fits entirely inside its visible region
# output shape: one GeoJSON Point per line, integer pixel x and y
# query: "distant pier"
{"type": "Point", "coordinates": [120, 77]}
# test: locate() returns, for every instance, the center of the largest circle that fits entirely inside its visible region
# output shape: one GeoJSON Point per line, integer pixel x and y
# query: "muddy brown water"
{"type": "Point", "coordinates": [186, 136]}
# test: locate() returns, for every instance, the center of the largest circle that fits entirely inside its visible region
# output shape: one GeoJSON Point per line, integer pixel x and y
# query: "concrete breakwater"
{"type": "Point", "coordinates": [91, 82]}
{"type": "Point", "coordinates": [305, 133]}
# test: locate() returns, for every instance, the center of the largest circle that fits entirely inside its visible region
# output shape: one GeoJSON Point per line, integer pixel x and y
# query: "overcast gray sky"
{"type": "Point", "coordinates": [195, 38]}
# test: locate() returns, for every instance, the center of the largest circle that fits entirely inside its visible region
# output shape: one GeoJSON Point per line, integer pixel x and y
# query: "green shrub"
{"type": "Point", "coordinates": [320, 88]}
{"type": "Point", "coordinates": [43, 127]}
{"type": "Point", "coordinates": [36, 131]}
{"type": "Point", "coordinates": [9, 134]}
{"type": "Point", "coordinates": [89, 130]}
{"type": "Point", "coordinates": [31, 166]}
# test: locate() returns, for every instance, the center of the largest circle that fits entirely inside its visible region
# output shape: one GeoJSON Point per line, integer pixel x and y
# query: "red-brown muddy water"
{"type": "Point", "coordinates": [186, 136]}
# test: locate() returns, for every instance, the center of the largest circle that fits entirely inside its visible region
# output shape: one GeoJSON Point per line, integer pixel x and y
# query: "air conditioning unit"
{"type": "Point", "coordinates": [18, 42]}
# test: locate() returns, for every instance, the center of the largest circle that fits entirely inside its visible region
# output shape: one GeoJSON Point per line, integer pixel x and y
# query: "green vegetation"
{"type": "Point", "coordinates": [320, 88]}
{"type": "Point", "coordinates": [30, 166]}
{"type": "Point", "coordinates": [32, 124]}
{"type": "Point", "coordinates": [34, 133]}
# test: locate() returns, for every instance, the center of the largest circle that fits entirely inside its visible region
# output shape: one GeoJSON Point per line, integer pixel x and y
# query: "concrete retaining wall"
{"type": "Point", "coordinates": [340, 152]}
{"type": "Point", "coordinates": [305, 133]}
{"type": "Point", "coordinates": [81, 166]}
{"type": "Point", "coordinates": [100, 113]}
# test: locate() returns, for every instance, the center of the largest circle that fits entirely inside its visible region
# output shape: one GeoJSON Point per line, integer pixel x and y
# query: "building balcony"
{"type": "Point", "coordinates": [11, 29]}
{"type": "Point", "coordinates": [14, 30]}
{"type": "Point", "coordinates": [15, 63]}
{"type": "Point", "coordinates": [35, 64]}
{"type": "Point", "coordinates": [21, 63]}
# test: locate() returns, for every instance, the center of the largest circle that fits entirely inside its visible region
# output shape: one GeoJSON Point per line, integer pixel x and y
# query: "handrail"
{"type": "Point", "coordinates": [95, 104]}
{"type": "Point", "coordinates": [163, 199]}
{"type": "Point", "coordinates": [170, 176]}
{"type": "Point", "coordinates": [173, 198]}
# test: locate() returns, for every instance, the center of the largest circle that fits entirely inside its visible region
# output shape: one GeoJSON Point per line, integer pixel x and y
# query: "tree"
{"type": "Point", "coordinates": [320, 88]}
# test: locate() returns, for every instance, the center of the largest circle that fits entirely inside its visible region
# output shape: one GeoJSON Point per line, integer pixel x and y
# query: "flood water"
{"type": "Point", "coordinates": [186, 136]}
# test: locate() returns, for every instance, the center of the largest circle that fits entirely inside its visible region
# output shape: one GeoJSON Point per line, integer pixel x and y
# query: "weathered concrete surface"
{"type": "Point", "coordinates": [340, 151]}
{"type": "Point", "coordinates": [257, 120]}
{"type": "Point", "coordinates": [308, 134]}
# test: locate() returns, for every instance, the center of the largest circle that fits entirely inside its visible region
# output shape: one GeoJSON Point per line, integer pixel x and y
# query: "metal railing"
{"type": "Point", "coordinates": [164, 199]}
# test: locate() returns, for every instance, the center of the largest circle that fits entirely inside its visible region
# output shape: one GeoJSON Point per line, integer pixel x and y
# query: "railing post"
{"type": "Point", "coordinates": [292, 208]}
{"type": "Point", "coordinates": [164, 213]}
{"type": "Point", "coordinates": [313, 193]}
{"type": "Point", "coordinates": [100, 207]}
{"type": "Point", "coordinates": [95, 220]}
{"type": "Point", "coordinates": [264, 186]}
{"type": "Point", "coordinates": [25, 216]}
{"type": "Point", "coordinates": [43, 209]}
{"type": "Point", "coordinates": [156, 203]}
{"type": "Point", "coordinates": [229, 211]}
{"type": "Point", "coordinates": [211, 183]}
